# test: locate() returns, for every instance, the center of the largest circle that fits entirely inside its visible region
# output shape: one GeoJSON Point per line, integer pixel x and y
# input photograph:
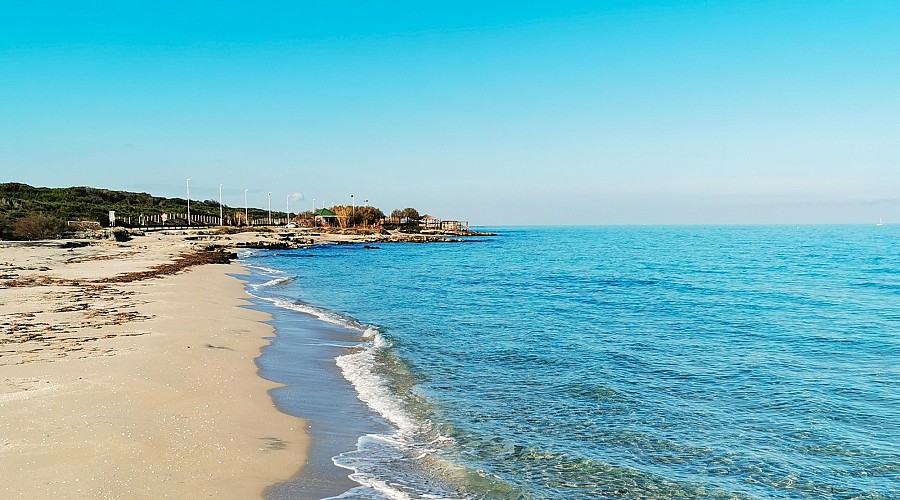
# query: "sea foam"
{"type": "Point", "coordinates": [411, 440]}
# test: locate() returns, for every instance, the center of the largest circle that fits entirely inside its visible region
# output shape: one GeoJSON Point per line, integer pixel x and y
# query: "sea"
{"type": "Point", "coordinates": [661, 362]}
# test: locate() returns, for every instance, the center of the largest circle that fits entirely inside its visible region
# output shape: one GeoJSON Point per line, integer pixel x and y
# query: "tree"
{"type": "Point", "coordinates": [367, 215]}
{"type": "Point", "coordinates": [411, 214]}
{"type": "Point", "coordinates": [406, 216]}
{"type": "Point", "coordinates": [344, 213]}
{"type": "Point", "coordinates": [304, 219]}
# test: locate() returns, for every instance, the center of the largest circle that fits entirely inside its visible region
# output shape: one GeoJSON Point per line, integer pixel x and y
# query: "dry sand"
{"type": "Point", "coordinates": [143, 389]}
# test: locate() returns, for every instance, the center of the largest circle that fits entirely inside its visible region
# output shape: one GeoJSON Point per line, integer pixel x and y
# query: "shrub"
{"type": "Point", "coordinates": [5, 227]}
{"type": "Point", "coordinates": [38, 227]}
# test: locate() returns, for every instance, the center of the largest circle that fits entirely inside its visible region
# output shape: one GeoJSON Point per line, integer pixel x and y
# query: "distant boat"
{"type": "Point", "coordinates": [880, 222]}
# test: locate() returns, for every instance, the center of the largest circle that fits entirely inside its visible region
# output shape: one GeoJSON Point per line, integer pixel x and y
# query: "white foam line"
{"type": "Point", "coordinates": [367, 331]}
{"type": "Point", "coordinates": [359, 369]}
{"type": "Point", "coordinates": [273, 282]}
{"type": "Point", "coordinates": [348, 345]}
{"type": "Point", "coordinates": [265, 270]}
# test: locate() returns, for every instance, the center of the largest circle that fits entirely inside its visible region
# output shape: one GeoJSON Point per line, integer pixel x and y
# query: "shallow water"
{"type": "Point", "coordinates": [636, 362]}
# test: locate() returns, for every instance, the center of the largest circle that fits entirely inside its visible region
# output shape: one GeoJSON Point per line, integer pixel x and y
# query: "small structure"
{"type": "Point", "coordinates": [430, 222]}
{"type": "Point", "coordinates": [458, 226]}
{"type": "Point", "coordinates": [325, 217]}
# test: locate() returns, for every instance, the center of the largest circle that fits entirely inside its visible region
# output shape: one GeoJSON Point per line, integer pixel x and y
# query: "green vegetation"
{"type": "Point", "coordinates": [29, 213]}
{"type": "Point", "coordinates": [406, 220]}
{"type": "Point", "coordinates": [85, 203]}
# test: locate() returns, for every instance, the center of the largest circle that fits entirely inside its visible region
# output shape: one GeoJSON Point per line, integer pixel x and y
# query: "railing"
{"type": "Point", "coordinates": [174, 220]}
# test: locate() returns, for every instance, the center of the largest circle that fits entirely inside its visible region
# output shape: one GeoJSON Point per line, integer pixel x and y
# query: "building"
{"type": "Point", "coordinates": [326, 218]}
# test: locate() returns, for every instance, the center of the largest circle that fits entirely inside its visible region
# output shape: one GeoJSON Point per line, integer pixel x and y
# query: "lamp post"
{"type": "Point", "coordinates": [189, 201]}
{"type": "Point", "coordinates": [270, 208]}
{"type": "Point", "coordinates": [246, 217]}
{"type": "Point", "coordinates": [221, 219]}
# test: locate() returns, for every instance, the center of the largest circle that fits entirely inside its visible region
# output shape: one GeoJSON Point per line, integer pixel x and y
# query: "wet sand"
{"type": "Point", "coordinates": [302, 356]}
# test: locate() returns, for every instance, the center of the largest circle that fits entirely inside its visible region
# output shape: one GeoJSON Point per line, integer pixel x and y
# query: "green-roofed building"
{"type": "Point", "coordinates": [325, 217]}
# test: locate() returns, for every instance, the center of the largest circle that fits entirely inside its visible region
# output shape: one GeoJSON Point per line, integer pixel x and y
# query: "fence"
{"type": "Point", "coordinates": [180, 219]}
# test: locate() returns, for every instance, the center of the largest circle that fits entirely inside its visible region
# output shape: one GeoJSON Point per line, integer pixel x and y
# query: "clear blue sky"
{"type": "Point", "coordinates": [520, 112]}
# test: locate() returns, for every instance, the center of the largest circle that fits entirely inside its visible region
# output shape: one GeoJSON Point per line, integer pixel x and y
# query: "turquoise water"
{"type": "Point", "coordinates": [619, 362]}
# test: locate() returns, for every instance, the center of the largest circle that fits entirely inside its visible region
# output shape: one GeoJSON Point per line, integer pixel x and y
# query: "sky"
{"type": "Point", "coordinates": [499, 113]}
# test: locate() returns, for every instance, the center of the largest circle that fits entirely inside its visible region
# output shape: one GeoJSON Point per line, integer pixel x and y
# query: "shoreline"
{"type": "Point", "coordinates": [133, 369]}
{"type": "Point", "coordinates": [141, 389]}
{"type": "Point", "coordinates": [301, 357]}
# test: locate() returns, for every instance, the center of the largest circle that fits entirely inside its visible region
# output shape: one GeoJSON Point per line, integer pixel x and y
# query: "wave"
{"type": "Point", "coordinates": [394, 464]}
{"type": "Point", "coordinates": [390, 465]}
{"type": "Point", "coordinates": [274, 281]}
{"type": "Point", "coordinates": [406, 462]}
{"type": "Point", "coordinates": [322, 314]}
{"type": "Point", "coordinates": [243, 254]}
{"type": "Point", "coordinates": [263, 270]}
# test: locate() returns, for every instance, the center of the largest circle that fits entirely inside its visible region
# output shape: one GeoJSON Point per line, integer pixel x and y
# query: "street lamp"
{"type": "Point", "coordinates": [270, 208]}
{"type": "Point", "coordinates": [246, 217]}
{"type": "Point", "coordinates": [221, 219]}
{"type": "Point", "coordinates": [189, 201]}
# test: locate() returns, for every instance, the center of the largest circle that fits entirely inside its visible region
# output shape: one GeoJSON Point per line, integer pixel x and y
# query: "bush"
{"type": "Point", "coordinates": [5, 227]}
{"type": "Point", "coordinates": [38, 227]}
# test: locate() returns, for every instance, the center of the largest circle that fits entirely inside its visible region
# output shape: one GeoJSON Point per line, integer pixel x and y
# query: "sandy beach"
{"type": "Point", "coordinates": [142, 387]}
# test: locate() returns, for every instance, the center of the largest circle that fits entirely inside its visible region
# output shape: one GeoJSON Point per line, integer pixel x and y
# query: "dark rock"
{"type": "Point", "coordinates": [75, 244]}
{"type": "Point", "coordinates": [121, 234]}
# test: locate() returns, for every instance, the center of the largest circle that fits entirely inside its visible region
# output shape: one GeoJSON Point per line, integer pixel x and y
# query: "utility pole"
{"type": "Point", "coordinates": [221, 219]}
{"type": "Point", "coordinates": [246, 217]}
{"type": "Point", "coordinates": [189, 201]}
{"type": "Point", "coordinates": [270, 208]}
